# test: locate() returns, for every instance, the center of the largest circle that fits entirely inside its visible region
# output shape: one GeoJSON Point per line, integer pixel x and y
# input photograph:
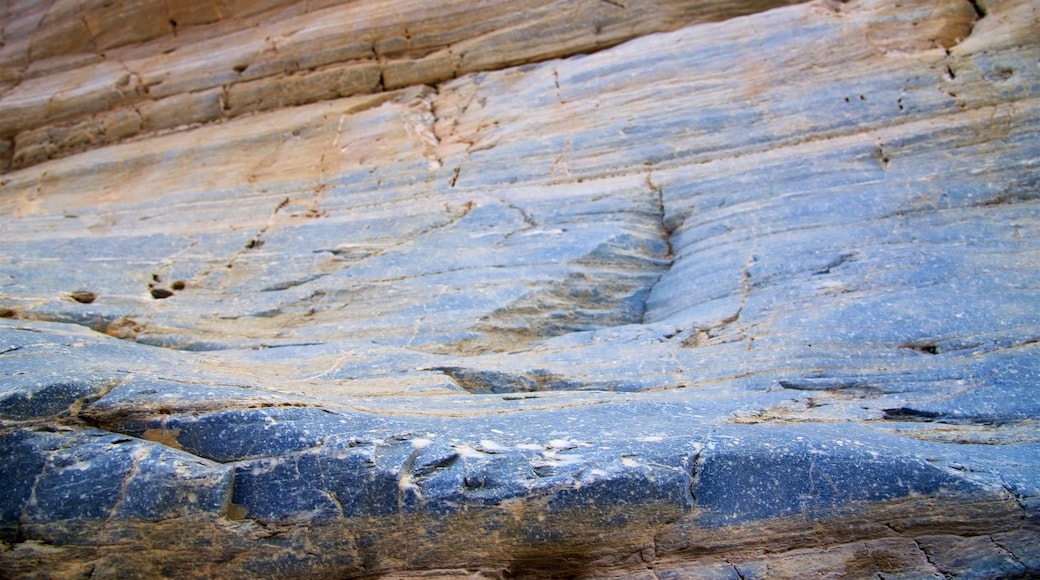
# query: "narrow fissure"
{"type": "Point", "coordinates": [694, 464]}
{"type": "Point", "coordinates": [927, 557]}
{"type": "Point", "coordinates": [665, 233]}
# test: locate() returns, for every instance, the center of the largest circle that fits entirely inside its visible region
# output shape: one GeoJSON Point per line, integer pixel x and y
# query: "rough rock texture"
{"type": "Point", "coordinates": [755, 296]}
{"type": "Point", "coordinates": [76, 74]}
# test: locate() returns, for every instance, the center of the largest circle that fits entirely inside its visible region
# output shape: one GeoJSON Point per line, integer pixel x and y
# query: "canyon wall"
{"type": "Point", "coordinates": [532, 289]}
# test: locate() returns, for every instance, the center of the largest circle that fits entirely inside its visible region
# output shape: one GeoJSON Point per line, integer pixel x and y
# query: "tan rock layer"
{"type": "Point", "coordinates": [74, 76]}
{"type": "Point", "coordinates": [916, 540]}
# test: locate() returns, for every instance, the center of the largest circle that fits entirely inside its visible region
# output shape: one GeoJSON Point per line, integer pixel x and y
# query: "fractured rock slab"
{"type": "Point", "coordinates": [74, 76]}
{"type": "Point", "coordinates": [751, 298]}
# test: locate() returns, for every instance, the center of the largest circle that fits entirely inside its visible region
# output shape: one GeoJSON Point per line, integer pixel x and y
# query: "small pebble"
{"type": "Point", "coordinates": [83, 296]}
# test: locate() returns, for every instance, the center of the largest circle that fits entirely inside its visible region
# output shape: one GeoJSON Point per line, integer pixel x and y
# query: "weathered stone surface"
{"type": "Point", "coordinates": [75, 75]}
{"type": "Point", "coordinates": [749, 298]}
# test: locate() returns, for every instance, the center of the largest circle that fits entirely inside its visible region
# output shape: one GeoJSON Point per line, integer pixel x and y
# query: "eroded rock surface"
{"type": "Point", "coordinates": [747, 290]}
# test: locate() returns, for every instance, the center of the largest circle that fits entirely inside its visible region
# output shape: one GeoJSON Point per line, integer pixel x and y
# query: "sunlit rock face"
{"type": "Point", "coordinates": [540, 289]}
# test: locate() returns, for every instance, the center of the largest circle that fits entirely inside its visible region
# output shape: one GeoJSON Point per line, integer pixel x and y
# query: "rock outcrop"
{"type": "Point", "coordinates": [550, 289]}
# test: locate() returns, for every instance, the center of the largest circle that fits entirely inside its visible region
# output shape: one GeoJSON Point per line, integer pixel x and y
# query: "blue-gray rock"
{"type": "Point", "coordinates": [748, 299]}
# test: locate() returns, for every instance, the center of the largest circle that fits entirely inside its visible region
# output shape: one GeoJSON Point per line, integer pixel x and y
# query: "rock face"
{"type": "Point", "coordinates": [597, 289]}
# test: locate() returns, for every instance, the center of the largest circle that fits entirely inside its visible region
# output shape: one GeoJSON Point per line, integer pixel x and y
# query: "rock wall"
{"type": "Point", "coordinates": [77, 75]}
{"type": "Point", "coordinates": [551, 289]}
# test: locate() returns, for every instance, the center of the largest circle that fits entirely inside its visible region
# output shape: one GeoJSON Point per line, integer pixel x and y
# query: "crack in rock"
{"type": "Point", "coordinates": [420, 121]}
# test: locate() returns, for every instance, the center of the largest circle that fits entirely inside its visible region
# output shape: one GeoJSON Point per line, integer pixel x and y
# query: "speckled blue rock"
{"type": "Point", "coordinates": [755, 298]}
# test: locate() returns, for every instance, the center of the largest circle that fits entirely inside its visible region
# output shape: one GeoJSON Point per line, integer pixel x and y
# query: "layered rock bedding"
{"type": "Point", "coordinates": [533, 289]}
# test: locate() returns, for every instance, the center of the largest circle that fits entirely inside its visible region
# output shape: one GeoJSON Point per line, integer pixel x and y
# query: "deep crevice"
{"type": "Point", "coordinates": [666, 234]}
{"type": "Point", "coordinates": [980, 10]}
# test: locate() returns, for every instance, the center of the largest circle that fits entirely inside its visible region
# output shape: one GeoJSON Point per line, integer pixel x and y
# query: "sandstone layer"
{"type": "Point", "coordinates": [540, 289]}
{"type": "Point", "coordinates": [77, 75]}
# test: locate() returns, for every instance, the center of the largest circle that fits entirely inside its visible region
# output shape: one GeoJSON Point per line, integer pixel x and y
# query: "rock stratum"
{"type": "Point", "coordinates": [532, 289]}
